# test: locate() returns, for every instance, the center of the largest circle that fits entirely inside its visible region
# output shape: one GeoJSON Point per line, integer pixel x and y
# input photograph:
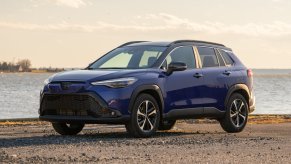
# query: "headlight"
{"type": "Point", "coordinates": [49, 79]}
{"type": "Point", "coordinates": [116, 83]}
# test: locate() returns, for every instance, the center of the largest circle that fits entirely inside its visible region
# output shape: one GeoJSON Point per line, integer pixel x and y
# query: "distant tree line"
{"type": "Point", "coordinates": [21, 66]}
{"type": "Point", "coordinates": [24, 65]}
{"type": "Point", "coordinates": [49, 69]}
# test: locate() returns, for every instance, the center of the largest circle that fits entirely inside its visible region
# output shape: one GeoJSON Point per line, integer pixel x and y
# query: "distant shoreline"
{"type": "Point", "coordinates": [26, 72]}
{"type": "Point", "coordinates": [42, 70]}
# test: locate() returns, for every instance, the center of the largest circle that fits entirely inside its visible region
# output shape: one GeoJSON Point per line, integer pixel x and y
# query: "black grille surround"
{"type": "Point", "coordinates": [79, 107]}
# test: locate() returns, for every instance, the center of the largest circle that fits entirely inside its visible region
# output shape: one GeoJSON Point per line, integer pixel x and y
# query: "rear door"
{"type": "Point", "coordinates": [235, 76]}
{"type": "Point", "coordinates": [215, 78]}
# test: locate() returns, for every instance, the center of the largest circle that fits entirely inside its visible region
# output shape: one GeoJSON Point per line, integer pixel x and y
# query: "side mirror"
{"type": "Point", "coordinates": [176, 66]}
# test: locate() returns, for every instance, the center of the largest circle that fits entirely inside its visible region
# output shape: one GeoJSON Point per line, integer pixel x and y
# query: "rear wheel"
{"type": "Point", "coordinates": [145, 117]}
{"type": "Point", "coordinates": [236, 115]}
{"type": "Point", "coordinates": [167, 124]}
{"type": "Point", "coordinates": [68, 129]}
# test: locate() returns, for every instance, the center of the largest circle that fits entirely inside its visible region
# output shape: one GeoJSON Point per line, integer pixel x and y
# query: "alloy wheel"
{"type": "Point", "coordinates": [146, 116]}
{"type": "Point", "coordinates": [238, 112]}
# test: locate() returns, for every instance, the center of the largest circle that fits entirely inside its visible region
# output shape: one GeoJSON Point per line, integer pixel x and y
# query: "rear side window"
{"type": "Point", "coordinates": [208, 57]}
{"type": "Point", "coordinates": [226, 57]}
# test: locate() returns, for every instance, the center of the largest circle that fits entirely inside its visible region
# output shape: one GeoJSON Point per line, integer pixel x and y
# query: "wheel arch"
{"type": "Point", "coordinates": [152, 90]}
{"type": "Point", "coordinates": [238, 88]}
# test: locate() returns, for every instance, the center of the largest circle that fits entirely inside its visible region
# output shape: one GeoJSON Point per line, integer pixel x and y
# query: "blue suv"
{"type": "Point", "coordinates": [147, 86]}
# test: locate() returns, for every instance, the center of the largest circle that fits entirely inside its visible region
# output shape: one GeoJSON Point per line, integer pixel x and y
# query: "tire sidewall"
{"type": "Point", "coordinates": [134, 120]}
{"type": "Point", "coordinates": [63, 129]}
{"type": "Point", "coordinates": [232, 98]}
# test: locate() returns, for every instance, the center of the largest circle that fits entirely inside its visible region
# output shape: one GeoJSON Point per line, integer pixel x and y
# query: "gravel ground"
{"type": "Point", "coordinates": [188, 142]}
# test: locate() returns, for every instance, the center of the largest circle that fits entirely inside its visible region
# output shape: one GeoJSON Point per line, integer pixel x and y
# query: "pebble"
{"type": "Point", "coordinates": [120, 148]}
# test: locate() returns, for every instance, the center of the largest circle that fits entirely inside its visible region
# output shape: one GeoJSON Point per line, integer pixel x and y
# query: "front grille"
{"type": "Point", "coordinates": [71, 105]}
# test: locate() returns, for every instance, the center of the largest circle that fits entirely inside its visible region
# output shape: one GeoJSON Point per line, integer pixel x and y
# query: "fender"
{"type": "Point", "coordinates": [142, 88]}
{"type": "Point", "coordinates": [234, 88]}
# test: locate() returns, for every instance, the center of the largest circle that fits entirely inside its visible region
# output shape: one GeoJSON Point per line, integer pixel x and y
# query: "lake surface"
{"type": "Point", "coordinates": [19, 93]}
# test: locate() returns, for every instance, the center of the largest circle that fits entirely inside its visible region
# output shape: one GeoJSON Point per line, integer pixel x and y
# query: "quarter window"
{"type": "Point", "coordinates": [208, 57]}
{"type": "Point", "coordinates": [220, 59]}
{"type": "Point", "coordinates": [226, 57]}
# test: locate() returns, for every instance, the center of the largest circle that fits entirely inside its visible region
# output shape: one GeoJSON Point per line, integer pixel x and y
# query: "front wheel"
{"type": "Point", "coordinates": [145, 117]}
{"type": "Point", "coordinates": [236, 115]}
{"type": "Point", "coordinates": [68, 129]}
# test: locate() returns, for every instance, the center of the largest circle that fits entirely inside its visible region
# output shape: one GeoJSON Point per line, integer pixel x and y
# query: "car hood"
{"type": "Point", "coordinates": [91, 75]}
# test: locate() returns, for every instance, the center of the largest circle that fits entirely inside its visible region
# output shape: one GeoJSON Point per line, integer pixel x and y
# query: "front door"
{"type": "Point", "coordinates": [184, 88]}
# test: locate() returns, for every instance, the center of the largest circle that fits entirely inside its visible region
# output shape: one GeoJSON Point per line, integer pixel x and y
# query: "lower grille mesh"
{"type": "Point", "coordinates": [70, 105]}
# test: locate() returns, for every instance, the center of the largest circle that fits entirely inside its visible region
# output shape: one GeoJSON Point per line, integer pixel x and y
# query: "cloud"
{"type": "Point", "coordinates": [70, 3]}
{"type": "Point", "coordinates": [276, 28]}
{"type": "Point", "coordinates": [277, 1]}
{"type": "Point", "coordinates": [164, 22]}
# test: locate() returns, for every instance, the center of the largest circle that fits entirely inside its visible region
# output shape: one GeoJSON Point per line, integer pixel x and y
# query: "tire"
{"type": "Point", "coordinates": [68, 129]}
{"type": "Point", "coordinates": [167, 124]}
{"type": "Point", "coordinates": [145, 117]}
{"type": "Point", "coordinates": [236, 115]}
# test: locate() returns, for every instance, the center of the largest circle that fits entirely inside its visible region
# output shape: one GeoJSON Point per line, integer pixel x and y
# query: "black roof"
{"type": "Point", "coordinates": [177, 42]}
{"type": "Point", "coordinates": [148, 43]}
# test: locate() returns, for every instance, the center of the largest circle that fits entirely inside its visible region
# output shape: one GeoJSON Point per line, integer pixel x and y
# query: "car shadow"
{"type": "Point", "coordinates": [100, 138]}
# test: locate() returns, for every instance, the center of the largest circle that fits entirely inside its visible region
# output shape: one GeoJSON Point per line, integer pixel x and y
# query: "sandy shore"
{"type": "Point", "coordinates": [266, 139]}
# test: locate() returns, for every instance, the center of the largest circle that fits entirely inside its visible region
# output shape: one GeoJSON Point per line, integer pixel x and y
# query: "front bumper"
{"type": "Point", "coordinates": [86, 120]}
{"type": "Point", "coordinates": [78, 107]}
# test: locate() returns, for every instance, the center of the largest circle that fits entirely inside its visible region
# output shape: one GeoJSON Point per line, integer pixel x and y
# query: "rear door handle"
{"type": "Point", "coordinates": [226, 73]}
{"type": "Point", "coordinates": [197, 75]}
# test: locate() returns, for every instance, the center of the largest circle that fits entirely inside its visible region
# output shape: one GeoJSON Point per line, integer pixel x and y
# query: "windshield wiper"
{"type": "Point", "coordinates": [111, 68]}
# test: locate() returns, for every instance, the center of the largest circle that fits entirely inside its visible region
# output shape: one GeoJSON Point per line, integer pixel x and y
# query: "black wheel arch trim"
{"type": "Point", "coordinates": [234, 88]}
{"type": "Point", "coordinates": [143, 88]}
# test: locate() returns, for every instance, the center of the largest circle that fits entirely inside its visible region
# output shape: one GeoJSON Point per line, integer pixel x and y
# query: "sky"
{"type": "Point", "coordinates": [74, 33]}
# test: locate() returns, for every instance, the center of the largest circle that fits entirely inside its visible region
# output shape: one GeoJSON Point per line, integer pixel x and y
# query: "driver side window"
{"type": "Point", "coordinates": [181, 54]}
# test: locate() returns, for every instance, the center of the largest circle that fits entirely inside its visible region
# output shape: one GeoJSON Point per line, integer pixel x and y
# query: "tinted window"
{"type": "Point", "coordinates": [226, 57]}
{"type": "Point", "coordinates": [220, 59]}
{"type": "Point", "coordinates": [208, 57]}
{"type": "Point", "coordinates": [182, 54]}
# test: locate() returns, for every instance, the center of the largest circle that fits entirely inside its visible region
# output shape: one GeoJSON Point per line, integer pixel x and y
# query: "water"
{"type": "Point", "coordinates": [19, 93]}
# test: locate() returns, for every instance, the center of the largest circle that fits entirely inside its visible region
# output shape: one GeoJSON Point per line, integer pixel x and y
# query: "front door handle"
{"type": "Point", "coordinates": [197, 75]}
{"type": "Point", "coordinates": [226, 73]}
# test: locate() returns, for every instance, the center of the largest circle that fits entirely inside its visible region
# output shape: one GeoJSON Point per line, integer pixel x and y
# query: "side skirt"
{"type": "Point", "coordinates": [193, 113]}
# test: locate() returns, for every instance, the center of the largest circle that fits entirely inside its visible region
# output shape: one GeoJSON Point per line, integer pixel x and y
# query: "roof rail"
{"type": "Point", "coordinates": [196, 41]}
{"type": "Point", "coordinates": [132, 42]}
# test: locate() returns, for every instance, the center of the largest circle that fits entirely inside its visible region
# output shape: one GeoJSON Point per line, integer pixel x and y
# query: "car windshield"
{"type": "Point", "coordinates": [129, 57]}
